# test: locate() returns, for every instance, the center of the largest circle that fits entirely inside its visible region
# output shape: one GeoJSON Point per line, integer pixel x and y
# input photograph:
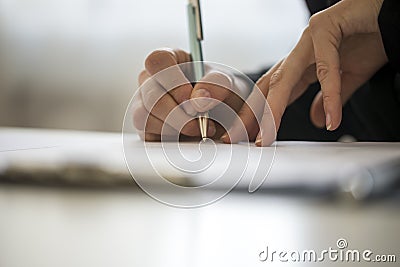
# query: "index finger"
{"type": "Point", "coordinates": [326, 41]}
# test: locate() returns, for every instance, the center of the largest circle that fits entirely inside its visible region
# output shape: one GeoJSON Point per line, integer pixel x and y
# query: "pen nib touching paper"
{"type": "Point", "coordinates": [203, 124]}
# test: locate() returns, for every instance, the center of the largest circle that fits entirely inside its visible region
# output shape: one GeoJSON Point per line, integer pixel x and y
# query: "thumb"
{"type": "Point", "coordinates": [317, 113]}
{"type": "Point", "coordinates": [211, 90]}
{"type": "Point", "coordinates": [350, 84]}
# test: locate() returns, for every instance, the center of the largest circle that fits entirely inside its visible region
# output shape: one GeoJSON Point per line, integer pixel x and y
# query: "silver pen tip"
{"type": "Point", "coordinates": [203, 124]}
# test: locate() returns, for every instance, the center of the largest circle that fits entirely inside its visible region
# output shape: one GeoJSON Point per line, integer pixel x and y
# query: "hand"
{"type": "Point", "coordinates": [164, 85]}
{"type": "Point", "coordinates": [341, 48]}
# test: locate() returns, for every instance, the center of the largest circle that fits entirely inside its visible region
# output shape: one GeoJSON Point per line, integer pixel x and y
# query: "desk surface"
{"type": "Point", "coordinates": [54, 226]}
{"type": "Point", "coordinates": [47, 227]}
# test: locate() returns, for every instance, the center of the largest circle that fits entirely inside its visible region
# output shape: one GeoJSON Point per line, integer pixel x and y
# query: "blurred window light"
{"type": "Point", "coordinates": [63, 61]}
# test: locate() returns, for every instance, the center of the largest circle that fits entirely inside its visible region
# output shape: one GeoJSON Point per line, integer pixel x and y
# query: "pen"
{"type": "Point", "coordinates": [195, 38]}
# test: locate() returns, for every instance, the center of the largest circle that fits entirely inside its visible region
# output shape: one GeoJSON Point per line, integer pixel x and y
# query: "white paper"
{"type": "Point", "coordinates": [295, 164]}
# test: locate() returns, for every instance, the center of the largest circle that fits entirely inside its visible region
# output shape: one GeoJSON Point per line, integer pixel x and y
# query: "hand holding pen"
{"type": "Point", "coordinates": [158, 97]}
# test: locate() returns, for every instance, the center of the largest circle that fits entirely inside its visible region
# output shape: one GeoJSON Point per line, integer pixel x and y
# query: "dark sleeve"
{"type": "Point", "coordinates": [389, 25]}
{"type": "Point", "coordinates": [315, 6]}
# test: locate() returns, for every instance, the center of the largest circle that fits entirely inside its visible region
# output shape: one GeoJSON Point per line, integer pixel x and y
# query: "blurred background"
{"type": "Point", "coordinates": [73, 64]}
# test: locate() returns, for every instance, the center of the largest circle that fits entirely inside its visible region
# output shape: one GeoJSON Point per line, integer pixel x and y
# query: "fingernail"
{"type": "Point", "coordinates": [200, 98]}
{"type": "Point", "coordinates": [225, 138]}
{"type": "Point", "coordinates": [258, 142]}
{"type": "Point", "coordinates": [328, 122]}
{"type": "Point", "coordinates": [189, 109]}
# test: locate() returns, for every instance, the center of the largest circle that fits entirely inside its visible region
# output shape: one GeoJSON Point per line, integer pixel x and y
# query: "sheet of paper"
{"type": "Point", "coordinates": [312, 165]}
{"type": "Point", "coordinates": [289, 164]}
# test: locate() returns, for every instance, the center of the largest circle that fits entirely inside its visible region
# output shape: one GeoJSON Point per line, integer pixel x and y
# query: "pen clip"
{"type": "Point", "coordinates": [197, 13]}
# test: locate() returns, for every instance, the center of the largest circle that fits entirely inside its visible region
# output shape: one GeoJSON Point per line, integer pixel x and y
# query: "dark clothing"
{"type": "Point", "coordinates": [315, 6]}
{"type": "Point", "coordinates": [373, 112]}
{"type": "Point", "coordinates": [389, 24]}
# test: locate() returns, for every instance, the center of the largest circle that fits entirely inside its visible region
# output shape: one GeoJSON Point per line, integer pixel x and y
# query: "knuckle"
{"type": "Point", "coordinates": [306, 31]}
{"type": "Point", "coordinates": [332, 97]}
{"type": "Point", "coordinates": [276, 78]}
{"type": "Point", "coordinates": [326, 98]}
{"type": "Point", "coordinates": [322, 71]}
{"type": "Point", "coordinates": [262, 84]}
{"type": "Point", "coordinates": [315, 21]}
{"type": "Point", "coordinates": [158, 60]}
{"type": "Point", "coordinates": [143, 76]}
{"type": "Point", "coordinates": [151, 96]}
{"type": "Point", "coordinates": [182, 56]}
